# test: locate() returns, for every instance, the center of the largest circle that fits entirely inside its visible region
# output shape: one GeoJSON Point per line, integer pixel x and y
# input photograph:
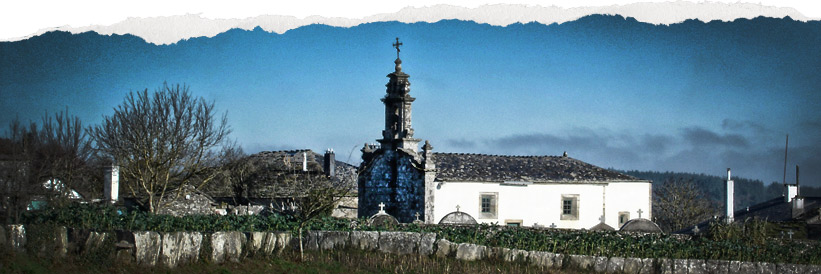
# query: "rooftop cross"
{"type": "Point", "coordinates": [640, 212]}
{"type": "Point", "coordinates": [396, 45]}
{"type": "Point", "coordinates": [381, 207]}
{"type": "Point", "coordinates": [552, 225]}
{"type": "Point", "coordinates": [457, 208]}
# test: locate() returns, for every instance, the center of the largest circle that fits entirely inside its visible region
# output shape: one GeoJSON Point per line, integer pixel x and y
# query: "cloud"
{"type": "Point", "coordinates": [700, 137]}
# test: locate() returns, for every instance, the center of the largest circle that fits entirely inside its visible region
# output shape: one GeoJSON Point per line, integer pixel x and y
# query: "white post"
{"type": "Point", "coordinates": [304, 161]}
{"type": "Point", "coordinates": [111, 186]}
{"type": "Point", "coordinates": [728, 200]}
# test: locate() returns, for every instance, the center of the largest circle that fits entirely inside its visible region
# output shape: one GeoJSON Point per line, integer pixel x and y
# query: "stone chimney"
{"type": "Point", "coordinates": [111, 184]}
{"type": "Point", "coordinates": [330, 163]}
{"type": "Point", "coordinates": [430, 183]}
{"type": "Point", "coordinates": [728, 198]}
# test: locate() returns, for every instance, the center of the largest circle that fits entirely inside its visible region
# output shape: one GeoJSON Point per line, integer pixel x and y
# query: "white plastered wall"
{"type": "Point", "coordinates": [540, 203]}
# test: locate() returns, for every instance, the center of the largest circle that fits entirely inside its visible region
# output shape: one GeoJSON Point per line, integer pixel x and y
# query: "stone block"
{"type": "Point", "coordinates": [399, 242]}
{"type": "Point", "coordinates": [615, 265]}
{"type": "Point", "coordinates": [426, 243]}
{"type": "Point", "coordinates": [717, 266]}
{"type": "Point", "coordinates": [768, 268]}
{"type": "Point", "coordinates": [582, 262]}
{"type": "Point", "coordinates": [734, 267]}
{"type": "Point", "coordinates": [811, 269]}
{"type": "Point", "coordinates": [261, 243]}
{"type": "Point", "coordinates": [445, 248]}
{"type": "Point", "coordinates": [648, 266]}
{"type": "Point", "coordinates": [180, 247]}
{"type": "Point", "coordinates": [600, 264]}
{"type": "Point", "coordinates": [697, 266]}
{"type": "Point", "coordinates": [665, 266]}
{"type": "Point", "coordinates": [470, 252]}
{"type": "Point", "coordinates": [95, 242]}
{"type": "Point", "coordinates": [330, 240]}
{"type": "Point", "coordinates": [365, 240]}
{"type": "Point", "coordinates": [558, 260]}
{"type": "Point", "coordinates": [147, 247]}
{"type": "Point", "coordinates": [746, 267]}
{"type": "Point", "coordinates": [681, 266]}
{"type": "Point", "coordinates": [16, 237]}
{"type": "Point", "coordinates": [283, 240]}
{"type": "Point", "coordinates": [787, 269]}
{"type": "Point", "coordinates": [226, 246]}
{"type": "Point", "coordinates": [541, 258]}
{"type": "Point", "coordinates": [632, 265]}
{"type": "Point", "coordinates": [61, 242]}
{"type": "Point", "coordinates": [310, 240]}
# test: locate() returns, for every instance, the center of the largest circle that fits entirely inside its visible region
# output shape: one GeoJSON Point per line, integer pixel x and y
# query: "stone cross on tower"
{"type": "Point", "coordinates": [396, 45]}
{"type": "Point", "coordinates": [640, 212]}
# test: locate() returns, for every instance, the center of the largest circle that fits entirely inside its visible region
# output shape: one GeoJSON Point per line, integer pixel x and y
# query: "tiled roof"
{"type": "Point", "coordinates": [498, 168]}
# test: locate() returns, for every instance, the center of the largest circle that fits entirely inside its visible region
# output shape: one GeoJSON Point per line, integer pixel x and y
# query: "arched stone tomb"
{"type": "Point", "coordinates": [640, 225]}
{"type": "Point", "coordinates": [457, 218]}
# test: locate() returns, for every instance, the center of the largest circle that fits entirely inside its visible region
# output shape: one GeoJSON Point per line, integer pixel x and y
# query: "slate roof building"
{"type": "Point", "coordinates": [556, 191]}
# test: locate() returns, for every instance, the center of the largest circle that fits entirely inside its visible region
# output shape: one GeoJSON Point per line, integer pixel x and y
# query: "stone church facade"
{"type": "Point", "coordinates": [555, 191]}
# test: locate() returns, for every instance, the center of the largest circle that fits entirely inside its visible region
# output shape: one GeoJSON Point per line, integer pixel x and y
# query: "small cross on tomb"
{"type": "Point", "coordinates": [457, 208]}
{"type": "Point", "coordinates": [640, 211]}
{"type": "Point", "coordinates": [601, 218]}
{"type": "Point", "coordinates": [552, 225]}
{"type": "Point", "coordinates": [396, 45]}
{"type": "Point", "coordinates": [382, 207]}
{"type": "Point", "coordinates": [790, 233]}
{"type": "Point", "coordinates": [695, 230]}
{"type": "Point", "coordinates": [417, 215]}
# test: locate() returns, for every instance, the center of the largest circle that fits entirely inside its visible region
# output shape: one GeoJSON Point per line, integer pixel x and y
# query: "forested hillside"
{"type": "Point", "coordinates": [747, 192]}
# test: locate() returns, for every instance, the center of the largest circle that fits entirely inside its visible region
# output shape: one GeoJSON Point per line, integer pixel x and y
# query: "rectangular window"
{"type": "Point", "coordinates": [570, 207]}
{"type": "Point", "coordinates": [487, 205]}
{"type": "Point", "coordinates": [515, 223]}
{"type": "Point", "coordinates": [624, 216]}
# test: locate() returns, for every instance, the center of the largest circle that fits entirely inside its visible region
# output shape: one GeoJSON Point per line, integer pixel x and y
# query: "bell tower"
{"type": "Point", "coordinates": [398, 133]}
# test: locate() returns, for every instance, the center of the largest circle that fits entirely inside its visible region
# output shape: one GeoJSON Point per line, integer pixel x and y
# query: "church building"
{"type": "Point", "coordinates": [550, 191]}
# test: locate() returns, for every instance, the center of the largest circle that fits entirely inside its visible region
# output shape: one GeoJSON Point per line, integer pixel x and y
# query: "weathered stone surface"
{"type": "Point", "coordinates": [399, 242]}
{"type": "Point", "coordinates": [717, 266]}
{"type": "Point", "coordinates": [615, 265]}
{"type": "Point", "coordinates": [632, 265]}
{"type": "Point", "coordinates": [558, 260]}
{"type": "Point", "coordinates": [180, 247]}
{"type": "Point", "coordinates": [61, 242]}
{"type": "Point", "coordinates": [95, 241]}
{"type": "Point", "coordinates": [226, 246]}
{"type": "Point", "coordinates": [445, 248]}
{"type": "Point", "coordinates": [600, 264]}
{"type": "Point", "coordinates": [681, 266]}
{"type": "Point", "coordinates": [147, 247]}
{"type": "Point", "coordinates": [514, 255]}
{"type": "Point", "coordinates": [665, 266]}
{"type": "Point", "coordinates": [647, 266]}
{"type": "Point", "coordinates": [333, 239]}
{"type": "Point", "coordinates": [283, 240]}
{"type": "Point", "coordinates": [426, 243]}
{"type": "Point", "coordinates": [582, 262]}
{"type": "Point", "coordinates": [470, 252]}
{"type": "Point", "coordinates": [697, 266]}
{"type": "Point", "coordinates": [16, 237]}
{"type": "Point", "coordinates": [787, 269]}
{"type": "Point", "coordinates": [3, 237]}
{"type": "Point", "coordinates": [811, 269]}
{"type": "Point", "coordinates": [457, 218]}
{"type": "Point", "coordinates": [261, 243]}
{"type": "Point", "coordinates": [747, 267]}
{"type": "Point", "coordinates": [541, 258]}
{"type": "Point", "coordinates": [365, 240]}
{"type": "Point", "coordinates": [734, 267]}
{"type": "Point", "coordinates": [640, 225]}
{"type": "Point", "coordinates": [311, 240]}
{"type": "Point", "coordinates": [383, 220]}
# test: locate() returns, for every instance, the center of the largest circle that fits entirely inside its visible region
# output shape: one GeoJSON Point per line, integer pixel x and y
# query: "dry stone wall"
{"type": "Point", "coordinates": [176, 248]}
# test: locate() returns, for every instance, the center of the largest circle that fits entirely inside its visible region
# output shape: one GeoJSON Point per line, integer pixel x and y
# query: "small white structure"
{"type": "Point", "coordinates": [728, 197]}
{"type": "Point", "coordinates": [111, 184]}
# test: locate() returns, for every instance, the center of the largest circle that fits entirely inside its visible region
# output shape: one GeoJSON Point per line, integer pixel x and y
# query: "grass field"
{"type": "Point", "coordinates": [315, 262]}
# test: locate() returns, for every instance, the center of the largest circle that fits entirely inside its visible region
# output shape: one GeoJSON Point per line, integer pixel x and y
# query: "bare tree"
{"type": "Point", "coordinates": [310, 196]}
{"type": "Point", "coordinates": [163, 140]}
{"type": "Point", "coordinates": [678, 204]}
{"type": "Point", "coordinates": [47, 161]}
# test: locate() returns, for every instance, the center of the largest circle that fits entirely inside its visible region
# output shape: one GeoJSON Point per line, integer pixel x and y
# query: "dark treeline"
{"type": "Point", "coordinates": [747, 191]}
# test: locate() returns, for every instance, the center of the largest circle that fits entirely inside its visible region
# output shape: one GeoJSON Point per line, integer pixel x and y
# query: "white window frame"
{"type": "Point", "coordinates": [574, 207]}
{"type": "Point", "coordinates": [494, 205]}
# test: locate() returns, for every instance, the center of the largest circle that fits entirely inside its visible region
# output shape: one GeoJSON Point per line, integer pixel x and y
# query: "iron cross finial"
{"type": "Point", "coordinates": [396, 45]}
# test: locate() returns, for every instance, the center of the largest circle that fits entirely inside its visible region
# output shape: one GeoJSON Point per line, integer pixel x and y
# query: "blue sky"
{"type": "Point", "coordinates": [695, 97]}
